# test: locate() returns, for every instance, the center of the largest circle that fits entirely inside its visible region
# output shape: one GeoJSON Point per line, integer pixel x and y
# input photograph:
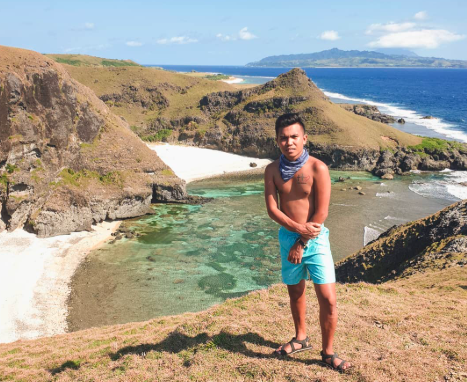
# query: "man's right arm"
{"type": "Point", "coordinates": [270, 194]}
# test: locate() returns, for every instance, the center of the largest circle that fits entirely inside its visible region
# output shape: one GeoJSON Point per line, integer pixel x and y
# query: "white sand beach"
{"type": "Point", "coordinates": [35, 272]}
{"type": "Point", "coordinates": [233, 80]}
{"type": "Point", "coordinates": [34, 279]}
{"type": "Point", "coordinates": [192, 163]}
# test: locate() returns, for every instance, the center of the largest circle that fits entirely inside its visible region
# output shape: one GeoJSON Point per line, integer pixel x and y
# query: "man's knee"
{"type": "Point", "coordinates": [329, 303]}
{"type": "Point", "coordinates": [296, 291]}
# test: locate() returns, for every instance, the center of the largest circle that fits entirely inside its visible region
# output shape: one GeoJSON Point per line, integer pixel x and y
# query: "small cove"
{"type": "Point", "coordinates": [190, 257]}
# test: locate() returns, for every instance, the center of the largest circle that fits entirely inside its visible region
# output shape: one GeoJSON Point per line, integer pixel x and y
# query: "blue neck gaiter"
{"type": "Point", "coordinates": [288, 168]}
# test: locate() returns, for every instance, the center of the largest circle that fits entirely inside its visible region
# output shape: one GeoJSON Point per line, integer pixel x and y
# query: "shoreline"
{"type": "Point", "coordinates": [192, 163]}
{"type": "Point", "coordinates": [36, 273]}
{"type": "Point", "coordinates": [35, 276]}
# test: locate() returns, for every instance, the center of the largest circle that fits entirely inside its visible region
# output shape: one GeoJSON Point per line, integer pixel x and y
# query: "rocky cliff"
{"type": "Point", "coordinates": [438, 241]}
{"type": "Point", "coordinates": [215, 115]}
{"type": "Point", "coordinates": [66, 161]}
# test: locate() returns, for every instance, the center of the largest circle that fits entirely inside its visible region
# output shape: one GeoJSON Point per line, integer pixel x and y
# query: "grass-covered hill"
{"type": "Point", "coordinates": [165, 106]}
{"type": "Point", "coordinates": [66, 161]}
{"type": "Point", "coordinates": [411, 329]}
{"type": "Point", "coordinates": [152, 100]}
{"type": "Point", "coordinates": [144, 95]}
{"type": "Point", "coordinates": [85, 60]}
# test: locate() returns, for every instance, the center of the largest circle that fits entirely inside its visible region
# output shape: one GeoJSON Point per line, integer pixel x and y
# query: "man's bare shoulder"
{"type": "Point", "coordinates": [317, 165]}
{"type": "Point", "coordinates": [272, 167]}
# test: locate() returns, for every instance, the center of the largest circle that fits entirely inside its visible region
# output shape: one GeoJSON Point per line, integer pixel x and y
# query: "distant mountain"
{"type": "Point", "coordinates": [358, 59]}
{"type": "Point", "coordinates": [397, 52]}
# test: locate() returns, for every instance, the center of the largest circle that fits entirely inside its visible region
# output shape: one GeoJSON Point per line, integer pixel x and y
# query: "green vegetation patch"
{"type": "Point", "coordinates": [67, 61]}
{"type": "Point", "coordinates": [435, 146]}
{"type": "Point", "coordinates": [72, 178]}
{"type": "Point", "coordinates": [160, 136]}
{"type": "Point", "coordinates": [118, 63]}
{"type": "Point", "coordinates": [167, 172]}
{"type": "Point", "coordinates": [217, 77]}
{"type": "Point", "coordinates": [11, 168]}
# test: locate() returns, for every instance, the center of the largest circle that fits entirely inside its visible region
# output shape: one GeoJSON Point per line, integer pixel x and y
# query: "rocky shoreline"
{"type": "Point", "coordinates": [437, 242]}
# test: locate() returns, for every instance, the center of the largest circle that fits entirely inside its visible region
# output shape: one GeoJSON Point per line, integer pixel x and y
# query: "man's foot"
{"type": "Point", "coordinates": [293, 346]}
{"type": "Point", "coordinates": [336, 363]}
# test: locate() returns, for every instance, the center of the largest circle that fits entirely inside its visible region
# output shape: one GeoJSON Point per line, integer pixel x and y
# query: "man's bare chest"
{"type": "Point", "coordinates": [300, 186]}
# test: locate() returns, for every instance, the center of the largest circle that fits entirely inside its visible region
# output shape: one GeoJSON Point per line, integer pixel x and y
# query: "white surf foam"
{"type": "Point", "coordinates": [435, 124]}
{"type": "Point", "coordinates": [436, 189]}
{"type": "Point", "coordinates": [385, 194]}
{"type": "Point", "coordinates": [389, 217]}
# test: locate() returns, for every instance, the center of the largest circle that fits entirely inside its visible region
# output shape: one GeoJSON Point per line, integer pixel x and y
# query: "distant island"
{"type": "Point", "coordinates": [336, 58]}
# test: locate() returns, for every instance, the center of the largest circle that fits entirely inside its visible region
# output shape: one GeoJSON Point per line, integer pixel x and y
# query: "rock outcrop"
{"type": "Point", "coordinates": [66, 161]}
{"type": "Point", "coordinates": [368, 111]}
{"type": "Point", "coordinates": [435, 242]}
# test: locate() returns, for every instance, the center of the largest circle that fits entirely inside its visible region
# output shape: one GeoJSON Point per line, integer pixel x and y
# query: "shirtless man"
{"type": "Point", "coordinates": [304, 188]}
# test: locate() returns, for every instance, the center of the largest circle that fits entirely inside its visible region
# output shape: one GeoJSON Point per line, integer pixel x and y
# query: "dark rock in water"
{"type": "Point", "coordinates": [368, 111]}
{"type": "Point", "coordinates": [428, 117]}
{"type": "Point", "coordinates": [435, 242]}
{"type": "Point", "coordinates": [401, 120]}
{"type": "Point", "coordinates": [253, 164]}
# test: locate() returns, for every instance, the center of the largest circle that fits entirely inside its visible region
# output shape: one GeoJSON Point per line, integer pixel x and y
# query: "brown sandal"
{"type": "Point", "coordinates": [305, 346]}
{"type": "Point", "coordinates": [339, 368]}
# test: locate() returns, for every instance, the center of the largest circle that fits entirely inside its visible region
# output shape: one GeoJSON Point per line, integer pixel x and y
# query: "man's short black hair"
{"type": "Point", "coordinates": [289, 119]}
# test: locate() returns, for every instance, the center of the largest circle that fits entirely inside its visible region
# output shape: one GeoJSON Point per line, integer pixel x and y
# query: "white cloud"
{"type": "Point", "coordinates": [242, 34]}
{"type": "Point", "coordinates": [134, 43]}
{"type": "Point", "coordinates": [89, 25]}
{"type": "Point", "coordinates": [329, 35]}
{"type": "Point", "coordinates": [245, 35]}
{"type": "Point", "coordinates": [389, 27]}
{"type": "Point", "coordinates": [425, 38]}
{"type": "Point", "coordinates": [422, 15]}
{"type": "Point", "coordinates": [222, 37]}
{"type": "Point", "coordinates": [177, 40]}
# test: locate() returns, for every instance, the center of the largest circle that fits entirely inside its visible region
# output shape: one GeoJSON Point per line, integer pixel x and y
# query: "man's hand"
{"type": "Point", "coordinates": [311, 230]}
{"type": "Point", "coordinates": [295, 254]}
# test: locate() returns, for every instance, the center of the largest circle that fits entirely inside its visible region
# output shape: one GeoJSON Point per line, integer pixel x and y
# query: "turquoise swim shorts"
{"type": "Point", "coordinates": [317, 259]}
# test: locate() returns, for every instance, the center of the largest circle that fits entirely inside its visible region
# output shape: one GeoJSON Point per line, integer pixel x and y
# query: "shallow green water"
{"type": "Point", "coordinates": [188, 258]}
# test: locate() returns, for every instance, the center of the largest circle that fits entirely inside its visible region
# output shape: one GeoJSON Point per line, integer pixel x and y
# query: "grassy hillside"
{"type": "Point", "coordinates": [407, 330]}
{"type": "Point", "coordinates": [84, 60]}
{"type": "Point", "coordinates": [152, 100]}
{"type": "Point", "coordinates": [147, 93]}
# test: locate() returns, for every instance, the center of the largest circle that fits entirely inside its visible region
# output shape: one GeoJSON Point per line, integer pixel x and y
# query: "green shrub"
{"type": "Point", "coordinates": [11, 168]}
{"type": "Point", "coordinates": [160, 136]}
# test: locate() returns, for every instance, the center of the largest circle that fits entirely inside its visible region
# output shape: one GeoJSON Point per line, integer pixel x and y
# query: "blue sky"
{"type": "Point", "coordinates": [232, 32]}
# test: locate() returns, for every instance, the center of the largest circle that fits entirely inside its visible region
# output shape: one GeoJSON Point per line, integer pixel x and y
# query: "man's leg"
{"type": "Point", "coordinates": [298, 307]}
{"type": "Point", "coordinates": [326, 294]}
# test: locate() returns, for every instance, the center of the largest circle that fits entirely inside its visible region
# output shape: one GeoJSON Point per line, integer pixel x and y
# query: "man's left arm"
{"type": "Point", "coordinates": [321, 194]}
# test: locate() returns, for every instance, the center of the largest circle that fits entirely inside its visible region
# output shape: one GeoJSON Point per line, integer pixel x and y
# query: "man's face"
{"type": "Point", "coordinates": [291, 140]}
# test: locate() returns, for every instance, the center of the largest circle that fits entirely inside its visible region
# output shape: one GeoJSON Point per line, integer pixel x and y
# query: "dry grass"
{"type": "Point", "coordinates": [413, 329]}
